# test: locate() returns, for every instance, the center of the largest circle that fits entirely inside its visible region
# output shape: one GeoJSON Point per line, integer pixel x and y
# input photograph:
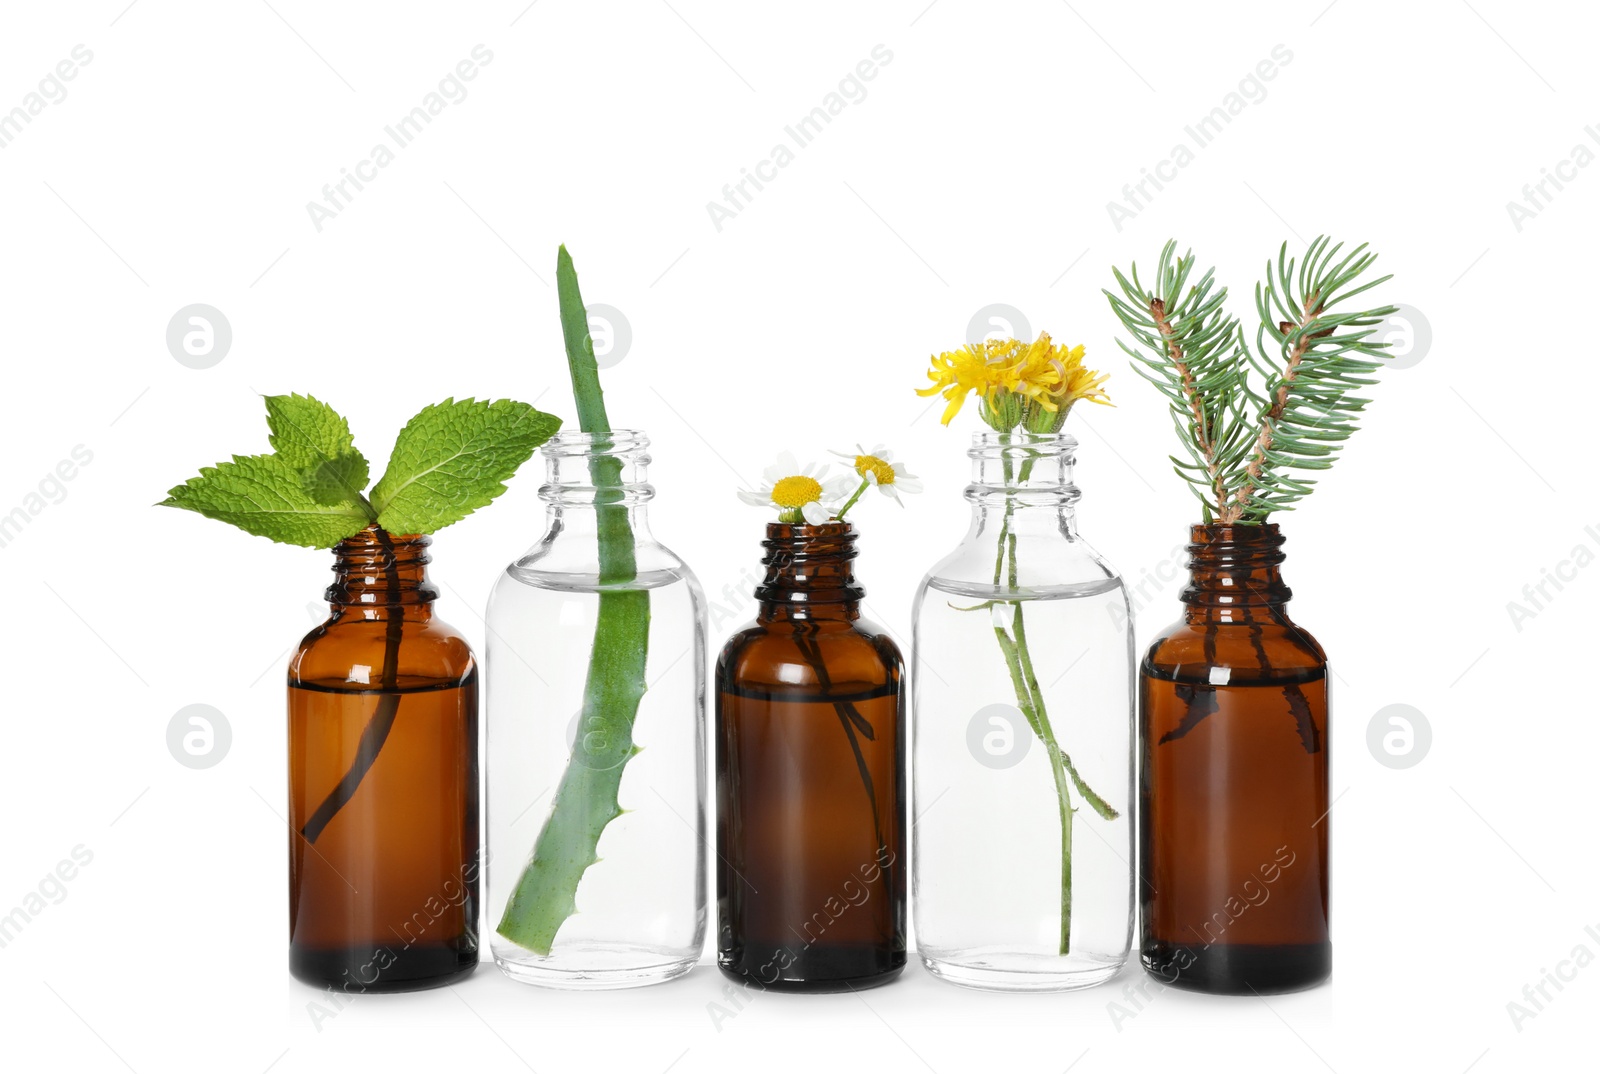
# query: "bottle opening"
{"type": "Point", "coordinates": [597, 469]}
{"type": "Point", "coordinates": [1027, 469]}
{"type": "Point", "coordinates": [810, 564]}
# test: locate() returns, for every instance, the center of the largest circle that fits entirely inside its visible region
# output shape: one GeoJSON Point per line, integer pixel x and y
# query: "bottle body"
{"type": "Point", "coordinates": [1234, 780]}
{"type": "Point", "coordinates": [383, 782]}
{"type": "Point", "coordinates": [557, 754]}
{"type": "Point", "coordinates": [811, 888]}
{"type": "Point", "coordinates": [1023, 748]}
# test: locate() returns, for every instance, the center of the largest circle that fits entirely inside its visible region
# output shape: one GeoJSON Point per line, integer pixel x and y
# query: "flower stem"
{"type": "Point", "coordinates": [1101, 806]}
{"type": "Point", "coordinates": [851, 502]}
{"type": "Point", "coordinates": [1030, 698]}
{"type": "Point", "coordinates": [1026, 700]}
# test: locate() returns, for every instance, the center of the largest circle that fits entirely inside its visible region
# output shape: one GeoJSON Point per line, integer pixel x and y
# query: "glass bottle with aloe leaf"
{"type": "Point", "coordinates": [562, 619]}
{"type": "Point", "coordinates": [596, 718]}
{"type": "Point", "coordinates": [1023, 710]}
{"type": "Point", "coordinates": [810, 736]}
{"type": "Point", "coordinates": [382, 707]}
{"type": "Point", "coordinates": [1234, 709]}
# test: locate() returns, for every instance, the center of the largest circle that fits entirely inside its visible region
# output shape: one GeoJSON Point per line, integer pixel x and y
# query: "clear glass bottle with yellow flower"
{"type": "Point", "coordinates": [1022, 709]}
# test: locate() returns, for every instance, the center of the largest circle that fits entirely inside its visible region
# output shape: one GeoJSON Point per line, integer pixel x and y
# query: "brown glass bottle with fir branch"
{"type": "Point", "coordinates": [383, 781]}
{"type": "Point", "coordinates": [810, 756]}
{"type": "Point", "coordinates": [1234, 779]}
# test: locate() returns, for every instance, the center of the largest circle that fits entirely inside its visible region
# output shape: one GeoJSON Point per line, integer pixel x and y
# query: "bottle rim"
{"type": "Point", "coordinates": [567, 445]}
{"type": "Point", "coordinates": [993, 445]}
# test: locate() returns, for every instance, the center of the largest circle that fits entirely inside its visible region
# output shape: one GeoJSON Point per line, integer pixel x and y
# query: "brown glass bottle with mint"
{"type": "Point", "coordinates": [383, 781]}
{"type": "Point", "coordinates": [1234, 779]}
{"type": "Point", "coordinates": [810, 756]}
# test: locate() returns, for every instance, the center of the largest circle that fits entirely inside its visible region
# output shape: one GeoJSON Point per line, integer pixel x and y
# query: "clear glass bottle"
{"type": "Point", "coordinates": [383, 781]}
{"type": "Point", "coordinates": [1233, 791]}
{"type": "Point", "coordinates": [1022, 737]}
{"type": "Point", "coordinates": [811, 787]}
{"type": "Point", "coordinates": [560, 772]}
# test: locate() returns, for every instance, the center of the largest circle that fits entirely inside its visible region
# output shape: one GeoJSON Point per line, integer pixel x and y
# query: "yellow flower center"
{"type": "Point", "coordinates": [871, 464]}
{"type": "Point", "coordinates": [792, 492]}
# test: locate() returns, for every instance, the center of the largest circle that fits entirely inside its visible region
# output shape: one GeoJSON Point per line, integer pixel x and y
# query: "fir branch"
{"type": "Point", "coordinates": [1324, 353]}
{"type": "Point", "coordinates": [1195, 357]}
{"type": "Point", "coordinates": [1244, 444]}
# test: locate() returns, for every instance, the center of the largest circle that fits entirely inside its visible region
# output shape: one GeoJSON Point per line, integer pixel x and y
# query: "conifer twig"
{"type": "Point", "coordinates": [1244, 443]}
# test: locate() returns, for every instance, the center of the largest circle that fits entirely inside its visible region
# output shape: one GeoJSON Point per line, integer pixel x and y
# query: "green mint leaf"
{"type": "Point", "coordinates": [310, 435]}
{"type": "Point", "coordinates": [306, 430]}
{"type": "Point", "coordinates": [338, 480]}
{"type": "Point", "coordinates": [266, 496]}
{"type": "Point", "coordinates": [453, 458]}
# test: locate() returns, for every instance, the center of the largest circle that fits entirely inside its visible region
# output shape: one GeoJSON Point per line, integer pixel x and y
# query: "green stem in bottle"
{"type": "Point", "coordinates": [586, 799]}
{"type": "Point", "coordinates": [1026, 700]}
{"type": "Point", "coordinates": [1030, 698]}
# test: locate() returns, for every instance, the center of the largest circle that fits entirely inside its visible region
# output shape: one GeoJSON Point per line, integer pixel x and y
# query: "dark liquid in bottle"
{"type": "Point", "coordinates": [1234, 841]}
{"type": "Point", "coordinates": [811, 884]}
{"type": "Point", "coordinates": [386, 898]}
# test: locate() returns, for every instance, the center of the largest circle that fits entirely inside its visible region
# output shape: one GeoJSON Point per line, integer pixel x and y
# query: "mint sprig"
{"type": "Point", "coordinates": [454, 458]}
{"type": "Point", "coordinates": [450, 459]}
{"type": "Point", "coordinates": [311, 436]}
{"type": "Point", "coordinates": [267, 496]}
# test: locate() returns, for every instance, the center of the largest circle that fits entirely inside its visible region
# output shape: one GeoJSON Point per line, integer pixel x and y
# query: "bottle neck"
{"type": "Point", "coordinates": [810, 573]}
{"type": "Point", "coordinates": [375, 569]}
{"type": "Point", "coordinates": [1233, 573]}
{"type": "Point", "coordinates": [596, 481]}
{"type": "Point", "coordinates": [1028, 478]}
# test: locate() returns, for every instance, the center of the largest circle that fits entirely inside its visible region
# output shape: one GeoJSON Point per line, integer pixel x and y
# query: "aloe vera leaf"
{"type": "Point", "coordinates": [586, 799]}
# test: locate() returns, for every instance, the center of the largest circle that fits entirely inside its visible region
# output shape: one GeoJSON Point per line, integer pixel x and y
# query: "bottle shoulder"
{"type": "Point", "coordinates": [351, 650]}
{"type": "Point", "coordinates": [1256, 648]}
{"type": "Point", "coordinates": [777, 654]}
{"type": "Point", "coordinates": [1055, 564]}
{"type": "Point", "coordinates": [570, 566]}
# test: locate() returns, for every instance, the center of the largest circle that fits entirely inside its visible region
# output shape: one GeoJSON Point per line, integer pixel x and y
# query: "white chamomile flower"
{"type": "Point", "coordinates": [878, 468]}
{"type": "Point", "coordinates": [800, 494]}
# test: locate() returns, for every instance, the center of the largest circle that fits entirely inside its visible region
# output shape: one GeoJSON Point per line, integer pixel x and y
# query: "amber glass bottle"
{"type": "Point", "coordinates": [811, 887]}
{"type": "Point", "coordinates": [383, 781]}
{"type": "Point", "coordinates": [1234, 779]}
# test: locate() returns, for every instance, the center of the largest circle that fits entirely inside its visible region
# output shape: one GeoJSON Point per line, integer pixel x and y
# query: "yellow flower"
{"type": "Point", "coordinates": [878, 468]}
{"type": "Point", "coordinates": [1081, 382]}
{"type": "Point", "coordinates": [799, 494]}
{"type": "Point", "coordinates": [982, 367]}
{"type": "Point", "coordinates": [1018, 383]}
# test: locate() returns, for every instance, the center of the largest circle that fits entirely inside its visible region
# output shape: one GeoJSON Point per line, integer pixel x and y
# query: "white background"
{"type": "Point", "coordinates": [976, 170]}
